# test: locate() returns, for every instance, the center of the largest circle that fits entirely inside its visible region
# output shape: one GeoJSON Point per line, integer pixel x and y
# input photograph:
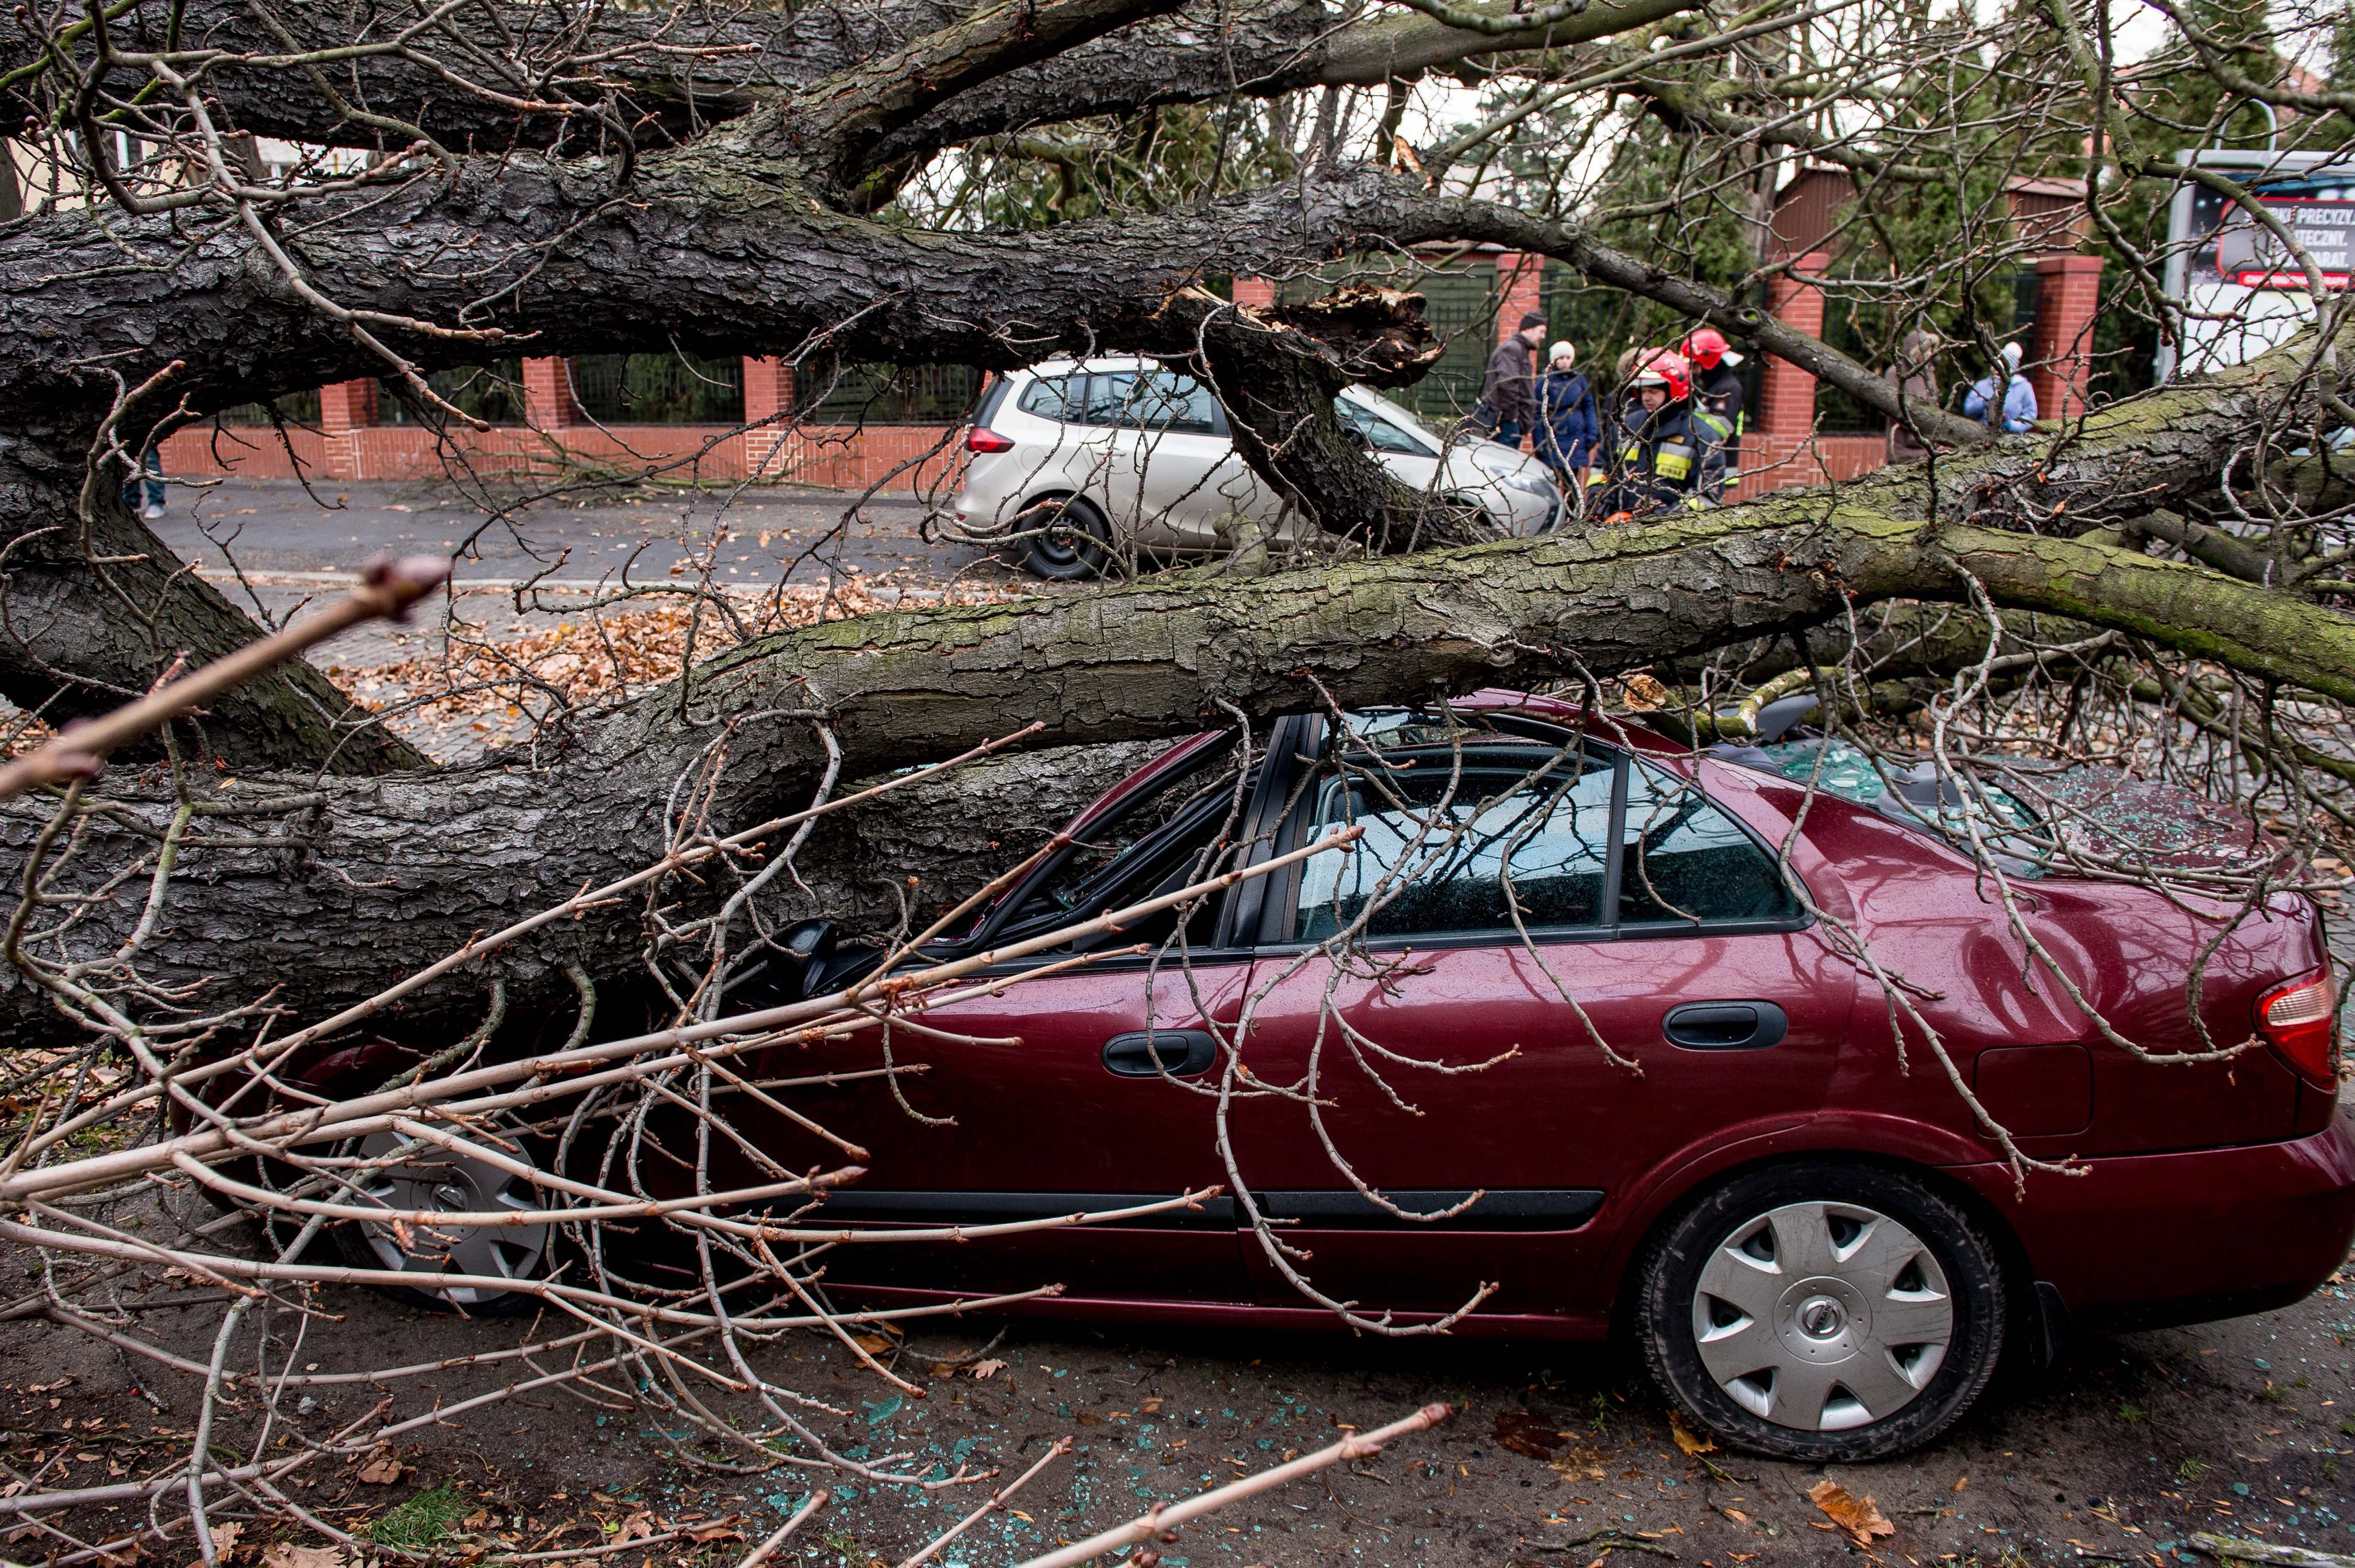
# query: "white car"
{"type": "Point", "coordinates": [1075, 462]}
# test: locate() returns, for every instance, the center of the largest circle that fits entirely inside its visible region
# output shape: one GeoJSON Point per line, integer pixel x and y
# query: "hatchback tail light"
{"type": "Point", "coordinates": [987, 440]}
{"type": "Point", "coordinates": [2299, 1018]}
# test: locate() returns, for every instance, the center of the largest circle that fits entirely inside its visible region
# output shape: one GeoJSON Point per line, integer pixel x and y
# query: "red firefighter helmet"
{"type": "Point", "coordinates": [1663, 368]}
{"type": "Point", "coordinates": [1706, 347]}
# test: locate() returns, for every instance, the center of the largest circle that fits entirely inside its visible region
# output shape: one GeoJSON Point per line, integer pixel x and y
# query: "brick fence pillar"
{"type": "Point", "coordinates": [346, 407]}
{"type": "Point", "coordinates": [1258, 293]}
{"type": "Point", "coordinates": [1786, 394]}
{"type": "Point", "coordinates": [2068, 297]}
{"type": "Point", "coordinates": [1521, 289]}
{"type": "Point", "coordinates": [547, 401]}
{"type": "Point", "coordinates": [768, 392]}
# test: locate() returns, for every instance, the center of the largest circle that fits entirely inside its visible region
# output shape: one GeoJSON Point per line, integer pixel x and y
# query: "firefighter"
{"type": "Point", "coordinates": [1717, 389]}
{"type": "Point", "coordinates": [1667, 449]}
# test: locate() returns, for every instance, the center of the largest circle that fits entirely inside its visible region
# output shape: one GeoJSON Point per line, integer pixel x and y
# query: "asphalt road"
{"type": "Point", "coordinates": [276, 527]}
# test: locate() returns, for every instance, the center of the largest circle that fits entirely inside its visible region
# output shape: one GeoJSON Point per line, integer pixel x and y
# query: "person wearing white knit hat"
{"type": "Point", "coordinates": [2014, 402]}
{"type": "Point", "coordinates": [1567, 426]}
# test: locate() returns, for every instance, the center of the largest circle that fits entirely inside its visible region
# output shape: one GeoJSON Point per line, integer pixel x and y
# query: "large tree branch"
{"type": "Point", "coordinates": [672, 73]}
{"type": "Point", "coordinates": [398, 871]}
{"type": "Point", "coordinates": [849, 113]}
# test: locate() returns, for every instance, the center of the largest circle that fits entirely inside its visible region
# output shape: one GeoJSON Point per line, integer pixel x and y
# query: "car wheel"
{"type": "Point", "coordinates": [1822, 1313]}
{"type": "Point", "coordinates": [439, 1180]}
{"type": "Point", "coordinates": [1069, 539]}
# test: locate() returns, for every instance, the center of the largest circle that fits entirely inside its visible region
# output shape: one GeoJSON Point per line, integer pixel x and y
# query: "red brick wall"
{"type": "Point", "coordinates": [1786, 394]}
{"type": "Point", "coordinates": [2068, 296]}
{"type": "Point", "coordinates": [1521, 289]}
{"type": "Point", "coordinates": [547, 401]}
{"type": "Point", "coordinates": [1772, 463]}
{"type": "Point", "coordinates": [842, 458]}
{"type": "Point", "coordinates": [1259, 293]}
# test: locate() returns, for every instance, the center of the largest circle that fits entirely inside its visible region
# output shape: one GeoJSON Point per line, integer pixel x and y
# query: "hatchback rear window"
{"type": "Point", "coordinates": [1060, 398]}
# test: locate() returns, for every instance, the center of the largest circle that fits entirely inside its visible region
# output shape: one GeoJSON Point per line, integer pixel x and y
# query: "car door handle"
{"type": "Point", "coordinates": [1726, 1025]}
{"type": "Point", "coordinates": [1180, 1052]}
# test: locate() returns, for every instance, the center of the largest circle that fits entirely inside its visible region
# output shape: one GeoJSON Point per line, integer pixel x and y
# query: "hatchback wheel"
{"type": "Point", "coordinates": [436, 1180]}
{"type": "Point", "coordinates": [1823, 1313]}
{"type": "Point", "coordinates": [1067, 540]}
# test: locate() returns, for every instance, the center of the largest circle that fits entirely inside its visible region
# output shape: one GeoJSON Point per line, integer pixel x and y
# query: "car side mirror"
{"type": "Point", "coordinates": [785, 973]}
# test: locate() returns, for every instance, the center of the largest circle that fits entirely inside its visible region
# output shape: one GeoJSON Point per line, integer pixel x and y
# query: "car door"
{"type": "Point", "coordinates": [1065, 1081]}
{"type": "Point", "coordinates": [1180, 462]}
{"type": "Point", "coordinates": [1665, 993]}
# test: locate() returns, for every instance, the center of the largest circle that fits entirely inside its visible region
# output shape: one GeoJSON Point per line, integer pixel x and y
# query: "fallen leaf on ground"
{"type": "Point", "coordinates": [302, 1557]}
{"type": "Point", "coordinates": [1687, 1440]}
{"type": "Point", "coordinates": [637, 1527]}
{"type": "Point", "coordinates": [1526, 1436]}
{"type": "Point", "coordinates": [718, 1530]}
{"type": "Point", "coordinates": [1581, 1464]}
{"type": "Point", "coordinates": [1857, 1516]}
{"type": "Point", "coordinates": [873, 1344]}
{"type": "Point", "coordinates": [990, 1368]}
{"type": "Point", "coordinates": [381, 1470]}
{"type": "Point", "coordinates": [225, 1537]}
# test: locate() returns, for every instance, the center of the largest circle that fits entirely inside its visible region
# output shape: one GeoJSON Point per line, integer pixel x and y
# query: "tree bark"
{"type": "Point", "coordinates": [393, 872]}
{"type": "Point", "coordinates": [666, 96]}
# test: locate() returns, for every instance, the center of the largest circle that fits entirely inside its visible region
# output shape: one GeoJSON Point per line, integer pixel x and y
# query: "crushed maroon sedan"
{"type": "Point", "coordinates": [1557, 1024]}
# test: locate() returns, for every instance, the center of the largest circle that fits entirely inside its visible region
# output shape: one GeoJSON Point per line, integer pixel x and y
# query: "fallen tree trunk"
{"type": "Point", "coordinates": [367, 879]}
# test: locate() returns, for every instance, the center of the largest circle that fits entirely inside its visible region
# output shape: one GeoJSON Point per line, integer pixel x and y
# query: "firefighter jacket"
{"type": "Point", "coordinates": [1673, 456]}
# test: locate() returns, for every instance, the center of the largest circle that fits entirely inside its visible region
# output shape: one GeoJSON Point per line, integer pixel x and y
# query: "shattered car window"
{"type": "Point", "coordinates": [1435, 860]}
{"type": "Point", "coordinates": [1687, 862]}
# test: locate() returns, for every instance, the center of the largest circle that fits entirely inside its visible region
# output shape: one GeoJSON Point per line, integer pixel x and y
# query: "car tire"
{"type": "Point", "coordinates": [452, 1184]}
{"type": "Point", "coordinates": [1823, 1313]}
{"type": "Point", "coordinates": [1069, 540]}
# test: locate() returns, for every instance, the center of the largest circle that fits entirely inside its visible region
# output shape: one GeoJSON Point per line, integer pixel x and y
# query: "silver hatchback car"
{"type": "Point", "coordinates": [1076, 462]}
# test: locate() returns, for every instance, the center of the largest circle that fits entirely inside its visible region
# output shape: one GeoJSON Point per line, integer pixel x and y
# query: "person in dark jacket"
{"type": "Point", "coordinates": [1718, 391]}
{"type": "Point", "coordinates": [1568, 426]}
{"type": "Point", "coordinates": [1668, 451]}
{"type": "Point", "coordinates": [1507, 409]}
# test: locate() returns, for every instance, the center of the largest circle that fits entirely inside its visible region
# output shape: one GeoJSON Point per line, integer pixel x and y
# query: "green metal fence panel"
{"type": "Point", "coordinates": [658, 390]}
{"type": "Point", "coordinates": [293, 407]}
{"type": "Point", "coordinates": [827, 393]}
{"type": "Point", "coordinates": [492, 393]}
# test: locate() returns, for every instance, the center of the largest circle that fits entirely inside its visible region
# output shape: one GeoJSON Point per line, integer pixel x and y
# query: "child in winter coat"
{"type": "Point", "coordinates": [1568, 426]}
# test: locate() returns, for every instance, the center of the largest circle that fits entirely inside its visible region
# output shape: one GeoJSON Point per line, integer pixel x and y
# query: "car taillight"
{"type": "Point", "coordinates": [985, 440]}
{"type": "Point", "coordinates": [2298, 1019]}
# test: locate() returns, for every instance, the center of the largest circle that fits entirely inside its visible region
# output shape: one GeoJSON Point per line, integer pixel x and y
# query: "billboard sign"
{"type": "Point", "coordinates": [2241, 288]}
{"type": "Point", "coordinates": [2244, 252]}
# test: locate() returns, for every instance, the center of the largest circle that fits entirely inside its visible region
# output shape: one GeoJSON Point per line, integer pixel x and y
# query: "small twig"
{"type": "Point", "coordinates": [1358, 1445]}
{"type": "Point", "coordinates": [768, 1549]}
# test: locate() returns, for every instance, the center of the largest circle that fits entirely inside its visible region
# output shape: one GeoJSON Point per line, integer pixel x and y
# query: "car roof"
{"type": "Point", "coordinates": [1105, 363]}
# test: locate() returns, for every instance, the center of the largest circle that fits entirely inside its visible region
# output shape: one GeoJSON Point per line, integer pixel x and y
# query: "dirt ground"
{"type": "Point", "coordinates": [2246, 1428]}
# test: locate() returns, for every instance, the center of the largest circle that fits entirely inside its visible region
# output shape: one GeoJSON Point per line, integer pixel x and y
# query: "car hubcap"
{"type": "Point", "coordinates": [437, 1182]}
{"type": "Point", "coordinates": [1823, 1317]}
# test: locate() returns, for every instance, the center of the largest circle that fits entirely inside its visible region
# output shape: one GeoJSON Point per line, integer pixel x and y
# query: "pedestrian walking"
{"type": "Point", "coordinates": [1718, 391]}
{"type": "Point", "coordinates": [1507, 409]}
{"type": "Point", "coordinates": [2005, 396]}
{"type": "Point", "coordinates": [1915, 376]}
{"type": "Point", "coordinates": [142, 491]}
{"type": "Point", "coordinates": [1568, 425]}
